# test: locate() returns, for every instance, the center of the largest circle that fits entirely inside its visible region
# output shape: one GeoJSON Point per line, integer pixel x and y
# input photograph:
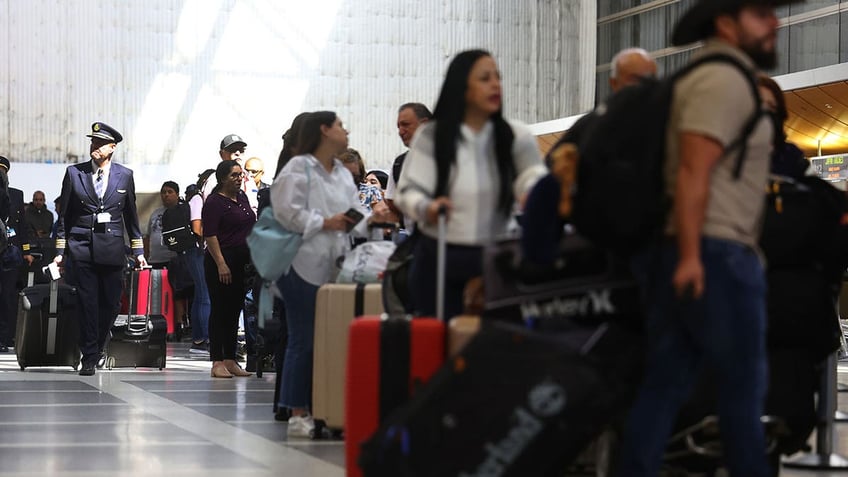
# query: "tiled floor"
{"type": "Point", "coordinates": [177, 422]}
{"type": "Point", "coordinates": [148, 423]}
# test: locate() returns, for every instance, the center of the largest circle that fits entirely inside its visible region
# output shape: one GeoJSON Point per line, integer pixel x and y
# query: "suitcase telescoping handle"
{"type": "Point", "coordinates": [441, 251]}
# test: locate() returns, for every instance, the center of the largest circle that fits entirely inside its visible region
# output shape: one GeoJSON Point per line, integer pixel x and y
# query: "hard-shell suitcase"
{"type": "Point", "coordinates": [513, 402]}
{"type": "Point", "coordinates": [388, 359]}
{"type": "Point", "coordinates": [157, 298]}
{"type": "Point", "coordinates": [47, 332]}
{"type": "Point", "coordinates": [336, 306]}
{"type": "Point", "coordinates": [138, 339]}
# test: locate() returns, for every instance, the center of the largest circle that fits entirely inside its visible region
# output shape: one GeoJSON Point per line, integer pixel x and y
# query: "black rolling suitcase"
{"type": "Point", "coordinates": [513, 402]}
{"type": "Point", "coordinates": [47, 332]}
{"type": "Point", "coordinates": [138, 340]}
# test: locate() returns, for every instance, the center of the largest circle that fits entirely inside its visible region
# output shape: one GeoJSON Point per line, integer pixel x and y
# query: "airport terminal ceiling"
{"type": "Point", "coordinates": [818, 116]}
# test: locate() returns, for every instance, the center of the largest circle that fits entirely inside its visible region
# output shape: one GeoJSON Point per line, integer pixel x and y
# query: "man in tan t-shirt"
{"type": "Point", "coordinates": [706, 285]}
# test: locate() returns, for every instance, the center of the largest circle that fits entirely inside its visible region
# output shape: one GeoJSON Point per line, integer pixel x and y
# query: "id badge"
{"type": "Point", "coordinates": [10, 231]}
{"type": "Point", "coordinates": [104, 218]}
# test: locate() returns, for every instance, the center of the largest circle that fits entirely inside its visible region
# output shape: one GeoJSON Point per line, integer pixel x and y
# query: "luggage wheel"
{"type": "Point", "coordinates": [110, 362]}
{"type": "Point", "coordinates": [24, 367]}
{"type": "Point", "coordinates": [259, 371]}
{"type": "Point", "coordinates": [160, 364]}
{"type": "Point", "coordinates": [320, 431]}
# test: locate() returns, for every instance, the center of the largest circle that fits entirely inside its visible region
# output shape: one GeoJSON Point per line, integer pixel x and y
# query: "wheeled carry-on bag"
{"type": "Point", "coordinates": [138, 339]}
{"type": "Point", "coordinates": [388, 359]}
{"type": "Point", "coordinates": [337, 305]}
{"type": "Point", "coordinates": [47, 332]}
{"type": "Point", "coordinates": [513, 402]}
{"type": "Point", "coordinates": [157, 298]}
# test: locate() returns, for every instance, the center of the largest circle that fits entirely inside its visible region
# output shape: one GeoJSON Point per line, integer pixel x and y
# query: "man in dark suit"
{"type": "Point", "coordinates": [97, 207]}
{"type": "Point", "coordinates": [11, 260]}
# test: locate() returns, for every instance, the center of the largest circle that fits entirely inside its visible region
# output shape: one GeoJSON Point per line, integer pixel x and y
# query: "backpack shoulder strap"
{"type": "Point", "coordinates": [742, 140]}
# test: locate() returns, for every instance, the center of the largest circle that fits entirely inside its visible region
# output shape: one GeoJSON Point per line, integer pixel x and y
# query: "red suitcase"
{"type": "Point", "coordinates": [387, 360]}
{"type": "Point", "coordinates": [152, 295]}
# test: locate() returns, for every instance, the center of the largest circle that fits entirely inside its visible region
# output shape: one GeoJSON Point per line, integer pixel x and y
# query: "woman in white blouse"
{"type": "Point", "coordinates": [310, 196]}
{"type": "Point", "coordinates": [474, 162]}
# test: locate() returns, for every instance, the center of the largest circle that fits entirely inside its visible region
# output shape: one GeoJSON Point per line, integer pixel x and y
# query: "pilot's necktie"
{"type": "Point", "coordinates": [98, 183]}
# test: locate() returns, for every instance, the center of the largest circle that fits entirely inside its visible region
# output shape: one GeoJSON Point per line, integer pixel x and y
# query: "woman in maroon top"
{"type": "Point", "coordinates": [227, 219]}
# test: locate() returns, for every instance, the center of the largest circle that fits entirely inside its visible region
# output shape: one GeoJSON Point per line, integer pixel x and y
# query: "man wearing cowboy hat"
{"type": "Point", "coordinates": [97, 206]}
{"type": "Point", "coordinates": [706, 299]}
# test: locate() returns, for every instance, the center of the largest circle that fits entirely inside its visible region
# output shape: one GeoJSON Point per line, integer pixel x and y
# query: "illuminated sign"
{"type": "Point", "coordinates": [831, 168]}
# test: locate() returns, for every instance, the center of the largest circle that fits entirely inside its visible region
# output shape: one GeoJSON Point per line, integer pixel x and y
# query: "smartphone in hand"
{"type": "Point", "coordinates": [355, 215]}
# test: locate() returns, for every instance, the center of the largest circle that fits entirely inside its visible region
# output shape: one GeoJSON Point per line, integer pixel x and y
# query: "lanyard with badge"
{"type": "Point", "coordinates": [102, 217]}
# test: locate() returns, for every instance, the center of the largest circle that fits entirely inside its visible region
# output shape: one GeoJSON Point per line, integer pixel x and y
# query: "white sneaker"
{"type": "Point", "coordinates": [301, 426]}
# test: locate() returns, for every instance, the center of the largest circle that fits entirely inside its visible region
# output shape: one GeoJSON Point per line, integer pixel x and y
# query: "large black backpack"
{"type": "Point", "coordinates": [620, 200]}
{"type": "Point", "coordinates": [805, 243]}
{"type": "Point", "coordinates": [202, 178]}
{"type": "Point", "coordinates": [176, 228]}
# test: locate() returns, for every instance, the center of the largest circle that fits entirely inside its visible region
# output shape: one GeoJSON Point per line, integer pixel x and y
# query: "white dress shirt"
{"type": "Point", "coordinates": [328, 194]}
{"type": "Point", "coordinates": [473, 181]}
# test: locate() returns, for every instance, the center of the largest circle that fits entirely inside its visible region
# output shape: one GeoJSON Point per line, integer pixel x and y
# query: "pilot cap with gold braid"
{"type": "Point", "coordinates": [104, 131]}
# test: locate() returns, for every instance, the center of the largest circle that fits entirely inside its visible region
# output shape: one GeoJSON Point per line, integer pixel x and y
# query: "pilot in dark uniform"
{"type": "Point", "coordinates": [12, 214]}
{"type": "Point", "coordinates": [97, 207]}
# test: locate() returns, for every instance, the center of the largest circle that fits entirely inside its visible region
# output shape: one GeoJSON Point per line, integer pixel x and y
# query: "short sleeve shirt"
{"type": "Point", "coordinates": [230, 221]}
{"type": "Point", "coordinates": [715, 100]}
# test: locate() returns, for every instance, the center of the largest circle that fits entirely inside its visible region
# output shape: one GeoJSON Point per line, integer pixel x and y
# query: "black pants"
{"type": "Point", "coordinates": [462, 264]}
{"type": "Point", "coordinates": [98, 299]}
{"type": "Point", "coordinates": [227, 302]}
{"type": "Point", "coordinates": [8, 305]}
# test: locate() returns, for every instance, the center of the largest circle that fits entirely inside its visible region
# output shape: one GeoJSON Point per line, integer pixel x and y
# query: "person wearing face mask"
{"type": "Point", "coordinates": [97, 209]}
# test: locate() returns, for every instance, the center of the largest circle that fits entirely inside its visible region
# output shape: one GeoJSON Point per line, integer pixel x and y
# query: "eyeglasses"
{"type": "Point", "coordinates": [254, 171]}
{"type": "Point", "coordinates": [237, 175]}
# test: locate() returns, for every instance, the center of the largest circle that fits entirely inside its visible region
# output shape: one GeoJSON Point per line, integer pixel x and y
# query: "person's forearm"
{"type": "Point", "coordinates": [689, 211]}
{"type": "Point", "coordinates": [197, 227]}
{"type": "Point", "coordinates": [214, 249]}
{"type": "Point", "coordinates": [698, 157]}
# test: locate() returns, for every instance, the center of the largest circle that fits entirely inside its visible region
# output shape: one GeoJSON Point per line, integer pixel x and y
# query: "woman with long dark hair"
{"type": "Point", "coordinates": [310, 196]}
{"type": "Point", "coordinates": [473, 162]}
{"type": "Point", "coordinates": [227, 220]}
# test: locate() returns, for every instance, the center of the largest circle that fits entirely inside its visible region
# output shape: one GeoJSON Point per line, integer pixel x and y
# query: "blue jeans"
{"type": "Point", "coordinates": [724, 330]}
{"type": "Point", "coordinates": [299, 297]}
{"type": "Point", "coordinates": [200, 306]}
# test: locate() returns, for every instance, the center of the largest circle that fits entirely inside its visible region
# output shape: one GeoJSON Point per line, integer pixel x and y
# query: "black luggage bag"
{"type": "Point", "coordinates": [514, 402]}
{"type": "Point", "coordinates": [137, 341]}
{"type": "Point", "coordinates": [47, 332]}
{"type": "Point", "coordinates": [585, 281]}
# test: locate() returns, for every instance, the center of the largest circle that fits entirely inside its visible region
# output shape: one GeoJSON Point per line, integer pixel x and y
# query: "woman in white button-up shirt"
{"type": "Point", "coordinates": [310, 196]}
{"type": "Point", "coordinates": [473, 161]}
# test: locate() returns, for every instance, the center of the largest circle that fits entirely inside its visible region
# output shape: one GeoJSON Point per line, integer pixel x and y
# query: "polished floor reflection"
{"type": "Point", "coordinates": [145, 422]}
{"type": "Point", "coordinates": [177, 422]}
